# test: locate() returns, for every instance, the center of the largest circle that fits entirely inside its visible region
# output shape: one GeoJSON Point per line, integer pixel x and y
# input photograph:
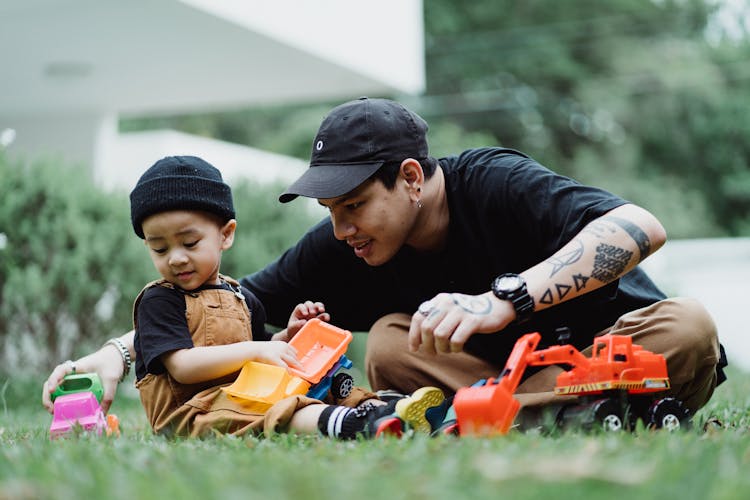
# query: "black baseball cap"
{"type": "Point", "coordinates": [353, 142]}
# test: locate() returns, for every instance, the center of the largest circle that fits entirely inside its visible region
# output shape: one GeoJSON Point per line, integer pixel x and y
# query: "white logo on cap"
{"type": "Point", "coordinates": [319, 145]}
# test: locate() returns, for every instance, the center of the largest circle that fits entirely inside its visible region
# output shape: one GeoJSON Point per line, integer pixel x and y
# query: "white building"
{"type": "Point", "coordinates": [72, 68]}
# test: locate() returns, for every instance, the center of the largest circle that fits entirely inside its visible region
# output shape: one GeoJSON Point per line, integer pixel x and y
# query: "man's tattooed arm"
{"type": "Point", "coordinates": [603, 251]}
{"type": "Point", "coordinates": [639, 236]}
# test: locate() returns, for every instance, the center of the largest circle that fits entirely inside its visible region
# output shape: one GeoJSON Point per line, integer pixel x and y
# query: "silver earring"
{"type": "Point", "coordinates": [419, 203]}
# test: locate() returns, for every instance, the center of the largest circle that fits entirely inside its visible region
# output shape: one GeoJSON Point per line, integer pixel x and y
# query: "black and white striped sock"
{"type": "Point", "coordinates": [333, 422]}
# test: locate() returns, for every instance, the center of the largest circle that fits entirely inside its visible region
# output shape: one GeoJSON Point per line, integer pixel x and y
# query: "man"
{"type": "Point", "coordinates": [490, 242]}
{"type": "Point", "coordinates": [484, 246]}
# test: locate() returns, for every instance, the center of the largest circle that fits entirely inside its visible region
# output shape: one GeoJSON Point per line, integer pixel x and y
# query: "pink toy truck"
{"type": "Point", "coordinates": [76, 406]}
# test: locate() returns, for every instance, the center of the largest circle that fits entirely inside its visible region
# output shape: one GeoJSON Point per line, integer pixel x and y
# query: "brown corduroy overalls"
{"type": "Point", "coordinates": [215, 317]}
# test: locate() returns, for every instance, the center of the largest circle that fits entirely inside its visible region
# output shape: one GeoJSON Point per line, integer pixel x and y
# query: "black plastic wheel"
{"type": "Point", "coordinates": [590, 415]}
{"type": "Point", "coordinates": [607, 413]}
{"type": "Point", "coordinates": [342, 385]}
{"type": "Point", "coordinates": [669, 414]}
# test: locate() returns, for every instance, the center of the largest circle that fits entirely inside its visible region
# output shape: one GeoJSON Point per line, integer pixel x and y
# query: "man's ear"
{"type": "Point", "coordinates": [412, 173]}
{"type": "Point", "coordinates": [227, 234]}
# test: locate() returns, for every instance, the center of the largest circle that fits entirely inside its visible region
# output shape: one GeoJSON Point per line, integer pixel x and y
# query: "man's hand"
{"type": "Point", "coordinates": [444, 323]}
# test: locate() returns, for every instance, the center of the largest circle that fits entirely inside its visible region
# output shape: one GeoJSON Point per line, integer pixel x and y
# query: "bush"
{"type": "Point", "coordinates": [265, 227]}
{"type": "Point", "coordinates": [71, 266]}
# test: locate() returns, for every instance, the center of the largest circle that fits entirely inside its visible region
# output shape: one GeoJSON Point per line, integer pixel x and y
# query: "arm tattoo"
{"type": "Point", "coordinates": [580, 281]}
{"type": "Point", "coordinates": [560, 260]}
{"type": "Point", "coordinates": [598, 229]}
{"type": "Point", "coordinates": [635, 232]}
{"type": "Point", "coordinates": [610, 262]}
{"type": "Point", "coordinates": [563, 289]}
{"type": "Point", "coordinates": [472, 304]}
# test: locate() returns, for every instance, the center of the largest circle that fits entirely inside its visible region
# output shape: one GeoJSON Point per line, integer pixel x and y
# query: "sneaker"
{"type": "Point", "coordinates": [388, 395]}
{"type": "Point", "coordinates": [379, 420]}
{"type": "Point", "coordinates": [443, 419]}
{"type": "Point", "coordinates": [447, 428]}
{"type": "Point", "coordinates": [422, 411]}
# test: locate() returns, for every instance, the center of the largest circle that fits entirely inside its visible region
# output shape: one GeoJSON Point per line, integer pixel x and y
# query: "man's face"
{"type": "Point", "coordinates": [374, 221]}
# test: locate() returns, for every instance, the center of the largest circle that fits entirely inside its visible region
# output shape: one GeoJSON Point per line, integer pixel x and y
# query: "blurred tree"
{"type": "Point", "coordinates": [629, 95]}
{"type": "Point", "coordinates": [265, 227]}
{"type": "Point", "coordinates": [71, 266]}
{"type": "Point", "coordinates": [646, 98]}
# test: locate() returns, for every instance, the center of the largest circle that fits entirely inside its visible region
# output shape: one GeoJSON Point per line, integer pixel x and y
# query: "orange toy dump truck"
{"type": "Point", "coordinates": [616, 386]}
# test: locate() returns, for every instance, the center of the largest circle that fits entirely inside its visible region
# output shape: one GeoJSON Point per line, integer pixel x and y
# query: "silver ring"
{"type": "Point", "coordinates": [425, 308]}
{"type": "Point", "coordinates": [72, 365]}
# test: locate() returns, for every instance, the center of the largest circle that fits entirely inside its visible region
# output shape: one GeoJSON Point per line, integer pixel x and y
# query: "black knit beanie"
{"type": "Point", "coordinates": [180, 183]}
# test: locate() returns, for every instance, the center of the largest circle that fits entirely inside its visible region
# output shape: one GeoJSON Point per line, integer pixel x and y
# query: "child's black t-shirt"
{"type": "Point", "coordinates": [162, 325]}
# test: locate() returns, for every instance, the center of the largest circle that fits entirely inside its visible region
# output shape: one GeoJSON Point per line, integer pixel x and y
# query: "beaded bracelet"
{"type": "Point", "coordinates": [125, 353]}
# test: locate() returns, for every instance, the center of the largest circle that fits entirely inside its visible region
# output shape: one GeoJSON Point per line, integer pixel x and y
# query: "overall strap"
{"type": "Point", "coordinates": [161, 282]}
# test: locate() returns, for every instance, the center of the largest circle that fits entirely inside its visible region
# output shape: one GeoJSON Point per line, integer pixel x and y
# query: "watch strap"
{"type": "Point", "coordinates": [522, 301]}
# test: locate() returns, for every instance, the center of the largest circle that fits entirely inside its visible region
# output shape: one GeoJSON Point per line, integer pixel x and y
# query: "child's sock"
{"type": "Point", "coordinates": [367, 420]}
{"type": "Point", "coordinates": [331, 421]}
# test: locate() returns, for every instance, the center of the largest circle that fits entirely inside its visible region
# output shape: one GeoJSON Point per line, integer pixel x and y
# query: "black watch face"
{"type": "Point", "coordinates": [508, 283]}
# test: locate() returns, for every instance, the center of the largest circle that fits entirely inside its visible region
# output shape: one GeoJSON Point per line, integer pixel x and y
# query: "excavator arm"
{"type": "Point", "coordinates": [559, 354]}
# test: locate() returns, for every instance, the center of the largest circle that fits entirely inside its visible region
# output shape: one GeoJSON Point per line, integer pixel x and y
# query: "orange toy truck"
{"type": "Point", "coordinates": [616, 386]}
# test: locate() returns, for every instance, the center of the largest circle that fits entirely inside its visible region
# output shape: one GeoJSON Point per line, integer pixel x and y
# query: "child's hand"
{"type": "Point", "coordinates": [304, 312]}
{"type": "Point", "coordinates": [277, 353]}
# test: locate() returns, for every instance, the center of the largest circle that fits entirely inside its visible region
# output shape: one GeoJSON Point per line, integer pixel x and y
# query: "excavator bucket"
{"type": "Point", "coordinates": [485, 410]}
{"type": "Point", "coordinates": [488, 408]}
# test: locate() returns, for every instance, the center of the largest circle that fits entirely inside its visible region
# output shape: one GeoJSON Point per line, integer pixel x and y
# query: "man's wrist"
{"type": "Point", "coordinates": [512, 287]}
{"type": "Point", "coordinates": [124, 353]}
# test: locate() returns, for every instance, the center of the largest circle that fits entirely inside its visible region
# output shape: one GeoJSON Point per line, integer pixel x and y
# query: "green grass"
{"type": "Point", "coordinates": [686, 465]}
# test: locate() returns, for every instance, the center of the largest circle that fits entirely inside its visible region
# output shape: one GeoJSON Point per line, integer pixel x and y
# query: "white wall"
{"type": "Point", "coordinates": [128, 155]}
{"type": "Point", "coordinates": [716, 272]}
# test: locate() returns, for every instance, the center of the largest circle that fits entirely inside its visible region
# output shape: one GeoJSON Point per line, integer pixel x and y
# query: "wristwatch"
{"type": "Point", "coordinates": [512, 287]}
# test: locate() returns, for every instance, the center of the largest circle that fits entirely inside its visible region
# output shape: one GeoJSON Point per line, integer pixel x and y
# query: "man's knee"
{"type": "Point", "coordinates": [695, 356]}
{"type": "Point", "coordinates": [695, 320]}
{"type": "Point", "coordinates": [385, 350]}
{"type": "Point", "coordinates": [696, 333]}
{"type": "Point", "coordinates": [386, 338]}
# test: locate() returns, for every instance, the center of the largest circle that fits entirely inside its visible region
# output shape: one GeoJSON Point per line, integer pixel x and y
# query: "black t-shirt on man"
{"type": "Point", "coordinates": [507, 213]}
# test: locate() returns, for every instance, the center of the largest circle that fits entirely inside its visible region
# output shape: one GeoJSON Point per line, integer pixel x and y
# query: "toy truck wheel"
{"type": "Point", "coordinates": [608, 414]}
{"type": "Point", "coordinates": [342, 385]}
{"type": "Point", "coordinates": [669, 414]}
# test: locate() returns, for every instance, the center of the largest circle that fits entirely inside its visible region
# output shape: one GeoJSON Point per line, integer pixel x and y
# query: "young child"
{"type": "Point", "coordinates": [195, 328]}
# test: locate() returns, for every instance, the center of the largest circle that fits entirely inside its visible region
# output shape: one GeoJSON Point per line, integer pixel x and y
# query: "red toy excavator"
{"type": "Point", "coordinates": [616, 386]}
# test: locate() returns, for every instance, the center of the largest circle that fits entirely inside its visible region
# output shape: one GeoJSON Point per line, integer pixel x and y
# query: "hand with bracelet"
{"type": "Point", "coordinates": [110, 362]}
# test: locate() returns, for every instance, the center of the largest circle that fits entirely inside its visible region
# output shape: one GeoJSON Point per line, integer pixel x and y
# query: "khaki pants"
{"type": "Point", "coordinates": [679, 328]}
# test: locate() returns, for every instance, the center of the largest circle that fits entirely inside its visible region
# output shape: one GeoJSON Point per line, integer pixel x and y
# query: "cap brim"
{"type": "Point", "coordinates": [330, 181]}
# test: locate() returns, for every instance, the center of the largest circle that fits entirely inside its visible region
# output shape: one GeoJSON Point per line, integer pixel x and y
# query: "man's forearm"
{"type": "Point", "coordinates": [606, 249]}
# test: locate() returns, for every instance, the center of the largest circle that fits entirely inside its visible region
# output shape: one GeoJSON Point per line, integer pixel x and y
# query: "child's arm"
{"type": "Point", "coordinates": [199, 364]}
{"type": "Point", "coordinates": [298, 318]}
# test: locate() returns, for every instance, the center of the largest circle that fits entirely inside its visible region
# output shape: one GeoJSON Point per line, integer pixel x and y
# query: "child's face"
{"type": "Point", "coordinates": [185, 246]}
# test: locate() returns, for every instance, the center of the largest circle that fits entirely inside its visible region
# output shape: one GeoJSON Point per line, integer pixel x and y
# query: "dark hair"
{"type": "Point", "coordinates": [388, 172]}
